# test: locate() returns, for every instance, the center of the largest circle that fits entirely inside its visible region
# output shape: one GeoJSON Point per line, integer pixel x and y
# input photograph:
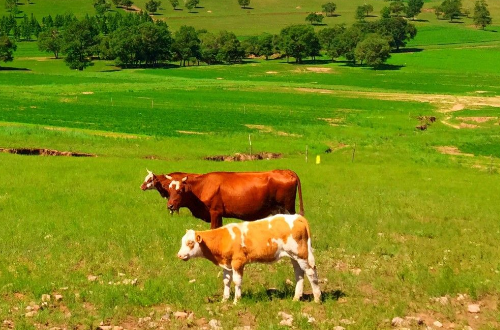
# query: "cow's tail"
{"type": "Point", "coordinates": [310, 256]}
{"type": "Point", "coordinates": [301, 204]}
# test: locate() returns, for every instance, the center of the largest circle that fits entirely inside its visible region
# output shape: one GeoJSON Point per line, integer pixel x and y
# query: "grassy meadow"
{"type": "Point", "coordinates": [405, 222]}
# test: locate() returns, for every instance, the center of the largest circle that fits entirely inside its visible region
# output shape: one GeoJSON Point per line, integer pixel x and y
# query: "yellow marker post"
{"type": "Point", "coordinates": [318, 159]}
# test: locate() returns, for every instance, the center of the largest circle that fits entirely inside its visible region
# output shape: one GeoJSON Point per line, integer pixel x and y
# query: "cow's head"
{"type": "Point", "coordinates": [149, 181]}
{"type": "Point", "coordinates": [177, 191]}
{"type": "Point", "coordinates": [190, 246]}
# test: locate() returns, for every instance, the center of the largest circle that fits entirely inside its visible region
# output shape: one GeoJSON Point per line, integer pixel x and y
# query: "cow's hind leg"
{"type": "Point", "coordinates": [312, 276]}
{"type": "Point", "coordinates": [227, 284]}
{"type": "Point", "coordinates": [237, 279]}
{"type": "Point", "coordinates": [299, 279]}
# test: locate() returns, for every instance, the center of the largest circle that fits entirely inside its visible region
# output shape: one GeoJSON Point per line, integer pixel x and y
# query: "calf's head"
{"type": "Point", "coordinates": [149, 181]}
{"type": "Point", "coordinates": [177, 192]}
{"type": "Point", "coordinates": [190, 246]}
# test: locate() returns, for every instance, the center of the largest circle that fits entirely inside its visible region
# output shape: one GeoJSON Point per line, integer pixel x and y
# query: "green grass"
{"type": "Point", "coordinates": [416, 224]}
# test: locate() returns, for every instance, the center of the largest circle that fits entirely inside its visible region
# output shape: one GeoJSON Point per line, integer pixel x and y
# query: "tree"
{"type": "Point", "coordinates": [360, 13]}
{"type": "Point", "coordinates": [368, 9]}
{"type": "Point", "coordinates": [414, 8]}
{"type": "Point", "coordinates": [244, 3]}
{"type": "Point", "coordinates": [101, 7]}
{"type": "Point", "coordinates": [50, 41]}
{"type": "Point", "coordinates": [174, 4]}
{"type": "Point", "coordinates": [26, 29]}
{"type": "Point", "coordinates": [481, 16]}
{"type": "Point", "coordinates": [298, 41]}
{"type": "Point", "coordinates": [155, 43]}
{"type": "Point", "coordinates": [398, 29]}
{"type": "Point", "coordinates": [127, 3]}
{"type": "Point", "coordinates": [347, 41]}
{"type": "Point", "coordinates": [186, 44]}
{"type": "Point", "coordinates": [10, 4]}
{"type": "Point", "coordinates": [373, 50]}
{"type": "Point", "coordinates": [267, 45]}
{"type": "Point", "coordinates": [117, 3]}
{"type": "Point", "coordinates": [190, 4]}
{"type": "Point", "coordinates": [385, 12]}
{"type": "Point", "coordinates": [152, 6]}
{"type": "Point", "coordinates": [329, 8]}
{"type": "Point", "coordinates": [314, 18]}
{"type": "Point", "coordinates": [230, 48]}
{"type": "Point", "coordinates": [79, 37]}
{"type": "Point", "coordinates": [451, 9]}
{"type": "Point", "coordinates": [329, 40]}
{"type": "Point", "coordinates": [397, 7]}
{"type": "Point", "coordinates": [7, 48]}
{"type": "Point", "coordinates": [209, 47]}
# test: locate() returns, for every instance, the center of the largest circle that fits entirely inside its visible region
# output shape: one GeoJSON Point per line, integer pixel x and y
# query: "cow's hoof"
{"type": "Point", "coordinates": [296, 298]}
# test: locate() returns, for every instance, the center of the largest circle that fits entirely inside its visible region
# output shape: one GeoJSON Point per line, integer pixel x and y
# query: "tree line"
{"type": "Point", "coordinates": [133, 40]}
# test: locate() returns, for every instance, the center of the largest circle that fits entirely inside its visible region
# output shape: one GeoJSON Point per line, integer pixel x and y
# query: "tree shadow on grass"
{"type": "Point", "coordinates": [381, 67]}
{"type": "Point", "coordinates": [309, 62]}
{"type": "Point", "coordinates": [407, 50]}
{"type": "Point", "coordinates": [6, 68]}
{"type": "Point", "coordinates": [420, 20]}
{"type": "Point", "coordinates": [247, 8]}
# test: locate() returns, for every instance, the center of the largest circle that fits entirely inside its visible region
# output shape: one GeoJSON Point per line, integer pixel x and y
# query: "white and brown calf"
{"type": "Point", "coordinates": [267, 240]}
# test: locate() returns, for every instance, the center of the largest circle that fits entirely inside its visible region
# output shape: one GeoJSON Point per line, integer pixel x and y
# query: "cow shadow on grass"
{"type": "Point", "coordinates": [279, 294]}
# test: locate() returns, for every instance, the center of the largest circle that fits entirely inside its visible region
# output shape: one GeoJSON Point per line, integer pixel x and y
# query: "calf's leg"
{"type": "Point", "coordinates": [237, 279]}
{"type": "Point", "coordinates": [312, 276]}
{"type": "Point", "coordinates": [227, 284]}
{"type": "Point", "coordinates": [299, 278]}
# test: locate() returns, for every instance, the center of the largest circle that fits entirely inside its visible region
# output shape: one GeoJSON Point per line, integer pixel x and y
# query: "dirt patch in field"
{"type": "Point", "coordinates": [269, 129]}
{"type": "Point", "coordinates": [44, 152]}
{"type": "Point", "coordinates": [271, 72]}
{"type": "Point", "coordinates": [333, 121]}
{"type": "Point", "coordinates": [451, 150]}
{"type": "Point", "coordinates": [87, 93]}
{"type": "Point", "coordinates": [319, 70]}
{"type": "Point", "coordinates": [244, 157]}
{"type": "Point", "coordinates": [444, 103]}
{"type": "Point", "coordinates": [477, 119]}
{"type": "Point", "coordinates": [192, 132]}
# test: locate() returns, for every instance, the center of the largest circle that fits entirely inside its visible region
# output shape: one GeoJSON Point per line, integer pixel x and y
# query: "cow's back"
{"type": "Point", "coordinates": [269, 239]}
{"type": "Point", "coordinates": [250, 195]}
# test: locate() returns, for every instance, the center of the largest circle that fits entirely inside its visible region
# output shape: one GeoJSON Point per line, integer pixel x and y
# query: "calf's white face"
{"type": "Point", "coordinates": [190, 246]}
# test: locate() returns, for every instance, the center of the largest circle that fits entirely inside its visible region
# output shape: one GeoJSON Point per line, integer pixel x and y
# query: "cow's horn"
{"type": "Point", "coordinates": [184, 179]}
{"type": "Point", "coordinates": [169, 177]}
{"type": "Point", "coordinates": [149, 171]}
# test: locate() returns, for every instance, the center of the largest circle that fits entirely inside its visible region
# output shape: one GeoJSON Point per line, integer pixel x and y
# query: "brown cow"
{"type": "Point", "coordinates": [161, 183]}
{"type": "Point", "coordinates": [242, 195]}
{"type": "Point", "coordinates": [237, 244]}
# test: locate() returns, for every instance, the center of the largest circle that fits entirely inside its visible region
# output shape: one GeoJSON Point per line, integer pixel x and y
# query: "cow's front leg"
{"type": "Point", "coordinates": [227, 284]}
{"type": "Point", "coordinates": [237, 279]}
{"type": "Point", "coordinates": [215, 220]}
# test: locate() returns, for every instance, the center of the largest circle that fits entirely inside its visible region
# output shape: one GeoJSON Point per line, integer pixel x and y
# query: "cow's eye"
{"type": "Point", "coordinates": [190, 244]}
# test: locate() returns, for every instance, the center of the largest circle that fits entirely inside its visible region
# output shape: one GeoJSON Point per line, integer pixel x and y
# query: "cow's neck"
{"type": "Point", "coordinates": [196, 206]}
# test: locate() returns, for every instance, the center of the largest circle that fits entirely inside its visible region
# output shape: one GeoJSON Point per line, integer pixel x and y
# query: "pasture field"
{"type": "Point", "coordinates": [264, 16]}
{"type": "Point", "coordinates": [405, 222]}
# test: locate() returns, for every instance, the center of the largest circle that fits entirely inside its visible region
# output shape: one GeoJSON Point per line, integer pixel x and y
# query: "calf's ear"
{"type": "Point", "coordinates": [198, 238]}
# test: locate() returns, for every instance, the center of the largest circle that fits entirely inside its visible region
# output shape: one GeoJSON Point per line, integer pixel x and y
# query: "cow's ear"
{"type": "Point", "coordinates": [184, 179]}
{"type": "Point", "coordinates": [198, 238]}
